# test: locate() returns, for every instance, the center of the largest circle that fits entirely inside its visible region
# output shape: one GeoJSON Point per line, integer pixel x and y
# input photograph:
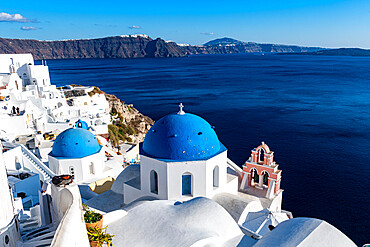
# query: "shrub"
{"type": "Point", "coordinates": [92, 217]}
{"type": "Point", "coordinates": [100, 235]}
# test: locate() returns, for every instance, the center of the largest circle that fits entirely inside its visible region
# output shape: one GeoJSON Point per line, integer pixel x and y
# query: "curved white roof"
{"type": "Point", "coordinates": [199, 221]}
{"type": "Point", "coordinates": [305, 232]}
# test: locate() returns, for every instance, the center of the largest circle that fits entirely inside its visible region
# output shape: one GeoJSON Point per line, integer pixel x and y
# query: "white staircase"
{"type": "Point", "coordinates": [40, 237]}
{"type": "Point", "coordinates": [35, 165]}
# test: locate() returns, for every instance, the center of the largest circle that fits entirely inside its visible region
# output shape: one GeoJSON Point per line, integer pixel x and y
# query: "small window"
{"type": "Point", "coordinates": [154, 182]}
{"type": "Point", "coordinates": [92, 171]}
{"type": "Point", "coordinates": [72, 170]}
{"type": "Point", "coordinates": [216, 177]}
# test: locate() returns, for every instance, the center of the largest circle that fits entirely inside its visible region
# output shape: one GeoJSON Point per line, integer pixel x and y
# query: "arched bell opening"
{"type": "Point", "coordinates": [265, 178]}
{"type": "Point", "coordinates": [261, 156]}
{"type": "Point", "coordinates": [255, 178]}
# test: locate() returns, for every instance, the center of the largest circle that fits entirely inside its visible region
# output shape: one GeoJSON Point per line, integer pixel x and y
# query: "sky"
{"type": "Point", "coordinates": [324, 23]}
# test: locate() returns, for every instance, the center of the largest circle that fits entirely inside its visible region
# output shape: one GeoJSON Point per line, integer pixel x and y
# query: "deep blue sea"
{"type": "Point", "coordinates": [313, 112]}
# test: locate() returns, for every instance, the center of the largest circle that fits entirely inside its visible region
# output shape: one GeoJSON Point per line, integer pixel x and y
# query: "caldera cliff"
{"type": "Point", "coordinates": [136, 46]}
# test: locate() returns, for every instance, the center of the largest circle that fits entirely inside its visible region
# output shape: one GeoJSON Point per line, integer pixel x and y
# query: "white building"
{"type": "Point", "coordinates": [76, 151]}
{"type": "Point", "coordinates": [181, 158]}
{"type": "Point", "coordinates": [29, 103]}
{"type": "Point", "coordinates": [9, 226]}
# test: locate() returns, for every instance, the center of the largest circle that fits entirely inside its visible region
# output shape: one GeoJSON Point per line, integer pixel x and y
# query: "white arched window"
{"type": "Point", "coordinates": [216, 176]}
{"type": "Point", "coordinates": [153, 182]}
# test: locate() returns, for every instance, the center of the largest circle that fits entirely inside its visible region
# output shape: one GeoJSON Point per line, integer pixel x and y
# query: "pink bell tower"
{"type": "Point", "coordinates": [261, 172]}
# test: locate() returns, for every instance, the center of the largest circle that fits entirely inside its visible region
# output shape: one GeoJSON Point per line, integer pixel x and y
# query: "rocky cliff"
{"type": "Point", "coordinates": [135, 46]}
{"type": "Point", "coordinates": [129, 118]}
{"type": "Point", "coordinates": [128, 124]}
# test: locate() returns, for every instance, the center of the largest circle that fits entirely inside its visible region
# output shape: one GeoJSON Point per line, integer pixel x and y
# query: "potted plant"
{"type": "Point", "coordinates": [98, 236]}
{"type": "Point", "coordinates": [92, 219]}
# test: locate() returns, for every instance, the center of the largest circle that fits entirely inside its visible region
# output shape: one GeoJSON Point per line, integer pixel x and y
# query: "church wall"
{"type": "Point", "coordinates": [146, 166]}
{"type": "Point", "coordinates": [81, 166]}
{"type": "Point", "coordinates": [170, 177]}
{"type": "Point", "coordinates": [175, 171]}
{"type": "Point", "coordinates": [219, 160]}
{"type": "Point", "coordinates": [276, 202]}
{"type": "Point", "coordinates": [62, 166]}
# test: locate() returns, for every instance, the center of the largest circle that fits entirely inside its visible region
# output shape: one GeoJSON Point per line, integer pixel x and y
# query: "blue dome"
{"type": "Point", "coordinates": [75, 143]}
{"type": "Point", "coordinates": [181, 137]}
{"type": "Point", "coordinates": [81, 124]}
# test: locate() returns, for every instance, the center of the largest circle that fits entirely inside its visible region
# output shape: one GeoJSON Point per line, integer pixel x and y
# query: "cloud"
{"type": "Point", "coordinates": [204, 33]}
{"type": "Point", "coordinates": [5, 17]}
{"type": "Point", "coordinates": [135, 27]}
{"type": "Point", "coordinates": [28, 28]}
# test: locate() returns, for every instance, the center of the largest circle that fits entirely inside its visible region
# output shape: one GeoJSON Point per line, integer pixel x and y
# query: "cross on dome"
{"type": "Point", "coordinates": [181, 112]}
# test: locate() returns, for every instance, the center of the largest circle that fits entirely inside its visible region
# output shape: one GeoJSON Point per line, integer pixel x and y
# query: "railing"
{"type": "Point", "coordinates": [250, 233]}
{"type": "Point", "coordinates": [37, 165]}
{"type": "Point", "coordinates": [235, 167]}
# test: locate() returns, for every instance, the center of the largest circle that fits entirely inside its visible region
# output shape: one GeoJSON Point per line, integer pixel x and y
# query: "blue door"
{"type": "Point", "coordinates": [186, 184]}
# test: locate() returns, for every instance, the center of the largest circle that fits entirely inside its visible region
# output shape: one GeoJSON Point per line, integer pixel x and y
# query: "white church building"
{"type": "Point", "coordinates": [76, 151]}
{"type": "Point", "coordinates": [181, 158]}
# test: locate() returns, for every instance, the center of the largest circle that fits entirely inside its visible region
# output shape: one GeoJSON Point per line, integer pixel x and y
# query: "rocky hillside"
{"type": "Point", "coordinates": [129, 124]}
{"type": "Point", "coordinates": [136, 46]}
{"type": "Point", "coordinates": [129, 119]}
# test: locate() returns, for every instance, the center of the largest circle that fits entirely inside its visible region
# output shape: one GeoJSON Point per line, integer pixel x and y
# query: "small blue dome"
{"type": "Point", "coordinates": [182, 137]}
{"type": "Point", "coordinates": [81, 124]}
{"type": "Point", "coordinates": [75, 143]}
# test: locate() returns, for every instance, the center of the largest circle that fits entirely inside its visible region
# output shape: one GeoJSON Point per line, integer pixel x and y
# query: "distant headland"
{"type": "Point", "coordinates": [141, 46]}
{"type": "Point", "coordinates": [137, 46]}
{"type": "Point", "coordinates": [355, 52]}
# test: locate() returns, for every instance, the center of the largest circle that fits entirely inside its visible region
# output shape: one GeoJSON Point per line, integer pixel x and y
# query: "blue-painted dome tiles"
{"type": "Point", "coordinates": [182, 137]}
{"type": "Point", "coordinates": [81, 124]}
{"type": "Point", "coordinates": [75, 143]}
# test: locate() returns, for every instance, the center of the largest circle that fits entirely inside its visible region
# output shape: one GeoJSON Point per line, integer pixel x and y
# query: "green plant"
{"type": "Point", "coordinates": [100, 235]}
{"type": "Point", "coordinates": [92, 217]}
{"type": "Point", "coordinates": [119, 132]}
{"type": "Point", "coordinates": [85, 207]}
